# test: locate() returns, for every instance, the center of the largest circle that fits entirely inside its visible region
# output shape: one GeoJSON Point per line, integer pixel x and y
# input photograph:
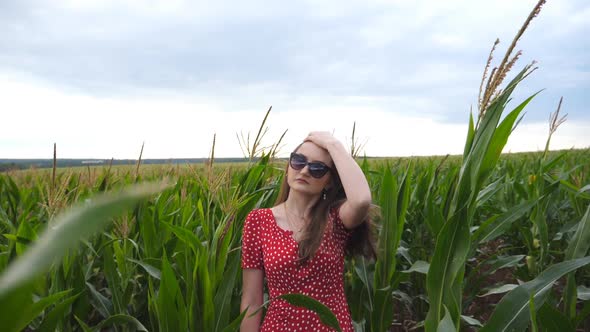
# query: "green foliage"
{"type": "Point", "coordinates": [171, 262]}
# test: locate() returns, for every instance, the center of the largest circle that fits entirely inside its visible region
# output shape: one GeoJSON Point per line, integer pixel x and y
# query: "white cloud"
{"type": "Point", "coordinates": [92, 127]}
{"type": "Point", "coordinates": [100, 77]}
{"type": "Point", "coordinates": [533, 136]}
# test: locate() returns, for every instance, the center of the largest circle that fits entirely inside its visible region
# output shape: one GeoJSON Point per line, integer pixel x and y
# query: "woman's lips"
{"type": "Point", "coordinates": [301, 180]}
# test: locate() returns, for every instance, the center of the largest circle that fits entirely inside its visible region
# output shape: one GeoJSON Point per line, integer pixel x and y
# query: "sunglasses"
{"type": "Point", "coordinates": [317, 169]}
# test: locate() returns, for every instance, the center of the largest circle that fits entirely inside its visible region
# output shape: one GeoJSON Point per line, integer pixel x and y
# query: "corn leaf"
{"type": "Point", "coordinates": [511, 313]}
{"type": "Point", "coordinates": [79, 222]}
{"type": "Point", "coordinates": [446, 324]}
{"type": "Point", "coordinates": [578, 247]}
{"type": "Point", "coordinates": [326, 316]}
{"type": "Point", "coordinates": [120, 320]}
{"type": "Point", "coordinates": [51, 320]}
{"type": "Point", "coordinates": [498, 224]}
{"type": "Point", "coordinates": [223, 294]}
{"type": "Point", "coordinates": [17, 309]}
{"type": "Point", "coordinates": [551, 320]}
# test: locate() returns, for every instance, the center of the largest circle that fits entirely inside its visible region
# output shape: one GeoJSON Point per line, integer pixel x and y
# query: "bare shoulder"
{"type": "Point", "coordinates": [277, 209]}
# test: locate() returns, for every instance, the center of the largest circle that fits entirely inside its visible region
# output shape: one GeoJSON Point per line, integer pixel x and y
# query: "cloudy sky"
{"type": "Point", "coordinates": [100, 77]}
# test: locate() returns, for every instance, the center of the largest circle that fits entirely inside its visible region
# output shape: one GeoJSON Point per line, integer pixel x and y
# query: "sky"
{"type": "Point", "coordinates": [99, 78]}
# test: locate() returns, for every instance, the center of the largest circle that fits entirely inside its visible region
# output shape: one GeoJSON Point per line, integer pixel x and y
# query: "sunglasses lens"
{"type": "Point", "coordinates": [317, 170]}
{"type": "Point", "coordinates": [297, 161]}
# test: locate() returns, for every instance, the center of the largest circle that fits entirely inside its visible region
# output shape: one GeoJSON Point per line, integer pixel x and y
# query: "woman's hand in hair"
{"type": "Point", "coordinates": [322, 139]}
{"type": "Point", "coordinates": [355, 209]}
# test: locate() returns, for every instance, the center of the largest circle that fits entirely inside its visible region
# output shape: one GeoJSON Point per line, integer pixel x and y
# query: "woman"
{"type": "Point", "coordinates": [299, 244]}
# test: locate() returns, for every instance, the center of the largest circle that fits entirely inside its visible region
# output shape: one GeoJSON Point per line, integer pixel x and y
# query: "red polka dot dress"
{"type": "Point", "coordinates": [268, 247]}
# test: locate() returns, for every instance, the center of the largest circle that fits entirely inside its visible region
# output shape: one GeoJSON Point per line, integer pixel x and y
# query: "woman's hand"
{"type": "Point", "coordinates": [322, 139]}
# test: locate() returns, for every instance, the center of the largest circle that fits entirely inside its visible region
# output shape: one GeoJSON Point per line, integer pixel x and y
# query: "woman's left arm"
{"type": "Point", "coordinates": [358, 194]}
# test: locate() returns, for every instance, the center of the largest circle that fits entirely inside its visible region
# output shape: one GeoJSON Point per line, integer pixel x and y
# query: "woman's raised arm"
{"type": "Point", "coordinates": [354, 182]}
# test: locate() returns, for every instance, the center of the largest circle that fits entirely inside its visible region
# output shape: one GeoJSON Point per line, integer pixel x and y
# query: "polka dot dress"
{"type": "Point", "coordinates": [268, 247]}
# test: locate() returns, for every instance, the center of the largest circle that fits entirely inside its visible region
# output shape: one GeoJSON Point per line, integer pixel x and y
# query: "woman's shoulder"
{"type": "Point", "coordinates": [260, 215]}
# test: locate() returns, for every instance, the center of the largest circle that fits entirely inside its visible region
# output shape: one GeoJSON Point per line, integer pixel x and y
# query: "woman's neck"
{"type": "Point", "coordinates": [299, 205]}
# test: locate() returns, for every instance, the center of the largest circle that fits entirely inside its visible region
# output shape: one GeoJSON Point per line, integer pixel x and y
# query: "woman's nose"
{"type": "Point", "coordinates": [305, 169]}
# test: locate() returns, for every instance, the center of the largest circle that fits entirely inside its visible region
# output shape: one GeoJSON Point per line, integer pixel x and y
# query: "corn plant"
{"type": "Point", "coordinates": [19, 280]}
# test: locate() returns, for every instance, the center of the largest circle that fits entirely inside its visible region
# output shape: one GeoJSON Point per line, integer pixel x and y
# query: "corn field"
{"type": "Point", "coordinates": [169, 258]}
{"type": "Point", "coordinates": [481, 241]}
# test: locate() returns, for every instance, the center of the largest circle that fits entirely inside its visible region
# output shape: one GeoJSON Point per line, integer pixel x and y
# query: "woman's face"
{"type": "Point", "coordinates": [301, 180]}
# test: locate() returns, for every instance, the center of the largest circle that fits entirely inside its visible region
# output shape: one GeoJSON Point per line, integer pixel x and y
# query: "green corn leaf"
{"type": "Point", "coordinates": [533, 313]}
{"type": "Point", "coordinates": [83, 325]}
{"type": "Point", "coordinates": [5, 221]}
{"type": "Point", "coordinates": [446, 324]}
{"type": "Point", "coordinates": [434, 215]}
{"type": "Point", "coordinates": [147, 220]}
{"type": "Point", "coordinates": [488, 192]}
{"type": "Point", "coordinates": [185, 235]}
{"type": "Point", "coordinates": [580, 317]}
{"type": "Point", "coordinates": [205, 295]}
{"type": "Point", "coordinates": [502, 262]}
{"type": "Point", "coordinates": [450, 253]}
{"type": "Point", "coordinates": [570, 296]}
{"type": "Point", "coordinates": [500, 138]}
{"type": "Point", "coordinates": [551, 163]}
{"type": "Point", "coordinates": [25, 236]}
{"type": "Point", "coordinates": [470, 135]}
{"type": "Point", "coordinates": [580, 243]}
{"type": "Point", "coordinates": [223, 295]}
{"type": "Point", "coordinates": [78, 222]}
{"type": "Point", "coordinates": [445, 276]}
{"type": "Point", "coordinates": [326, 316]}
{"type": "Point", "coordinates": [385, 267]}
{"type": "Point", "coordinates": [497, 225]}
{"type": "Point", "coordinates": [56, 314]}
{"type": "Point", "coordinates": [113, 280]}
{"type": "Point", "coordinates": [471, 321]}
{"type": "Point", "coordinates": [103, 305]}
{"type": "Point", "coordinates": [578, 247]}
{"type": "Point", "coordinates": [235, 324]}
{"type": "Point", "coordinates": [17, 309]}
{"type": "Point", "coordinates": [152, 271]}
{"type": "Point", "coordinates": [418, 266]}
{"type": "Point", "coordinates": [363, 274]}
{"type": "Point", "coordinates": [120, 319]}
{"type": "Point", "coordinates": [551, 320]}
{"type": "Point", "coordinates": [381, 316]}
{"type": "Point", "coordinates": [540, 220]}
{"type": "Point", "coordinates": [499, 290]}
{"type": "Point", "coordinates": [170, 301]}
{"type": "Point", "coordinates": [512, 311]}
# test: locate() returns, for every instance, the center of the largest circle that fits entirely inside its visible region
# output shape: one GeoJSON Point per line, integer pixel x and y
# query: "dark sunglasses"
{"type": "Point", "coordinates": [317, 169]}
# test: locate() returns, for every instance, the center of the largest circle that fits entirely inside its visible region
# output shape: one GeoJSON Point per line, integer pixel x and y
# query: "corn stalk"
{"type": "Point", "coordinates": [482, 150]}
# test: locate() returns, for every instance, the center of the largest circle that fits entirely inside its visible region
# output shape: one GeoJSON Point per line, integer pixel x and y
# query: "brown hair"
{"type": "Point", "coordinates": [361, 242]}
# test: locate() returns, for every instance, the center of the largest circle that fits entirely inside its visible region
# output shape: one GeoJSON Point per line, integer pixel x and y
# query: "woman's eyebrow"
{"type": "Point", "coordinates": [318, 161]}
{"type": "Point", "coordinates": [313, 160]}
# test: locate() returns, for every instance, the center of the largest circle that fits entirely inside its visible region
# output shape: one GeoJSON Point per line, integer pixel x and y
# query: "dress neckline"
{"type": "Point", "coordinates": [286, 232]}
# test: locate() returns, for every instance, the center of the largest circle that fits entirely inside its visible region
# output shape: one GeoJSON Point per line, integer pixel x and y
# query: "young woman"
{"type": "Point", "coordinates": [299, 245]}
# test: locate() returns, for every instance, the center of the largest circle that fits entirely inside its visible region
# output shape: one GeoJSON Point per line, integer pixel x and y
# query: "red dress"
{"type": "Point", "coordinates": [272, 249]}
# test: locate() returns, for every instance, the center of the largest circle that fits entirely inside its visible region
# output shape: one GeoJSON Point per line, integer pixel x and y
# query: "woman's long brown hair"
{"type": "Point", "coordinates": [361, 242]}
